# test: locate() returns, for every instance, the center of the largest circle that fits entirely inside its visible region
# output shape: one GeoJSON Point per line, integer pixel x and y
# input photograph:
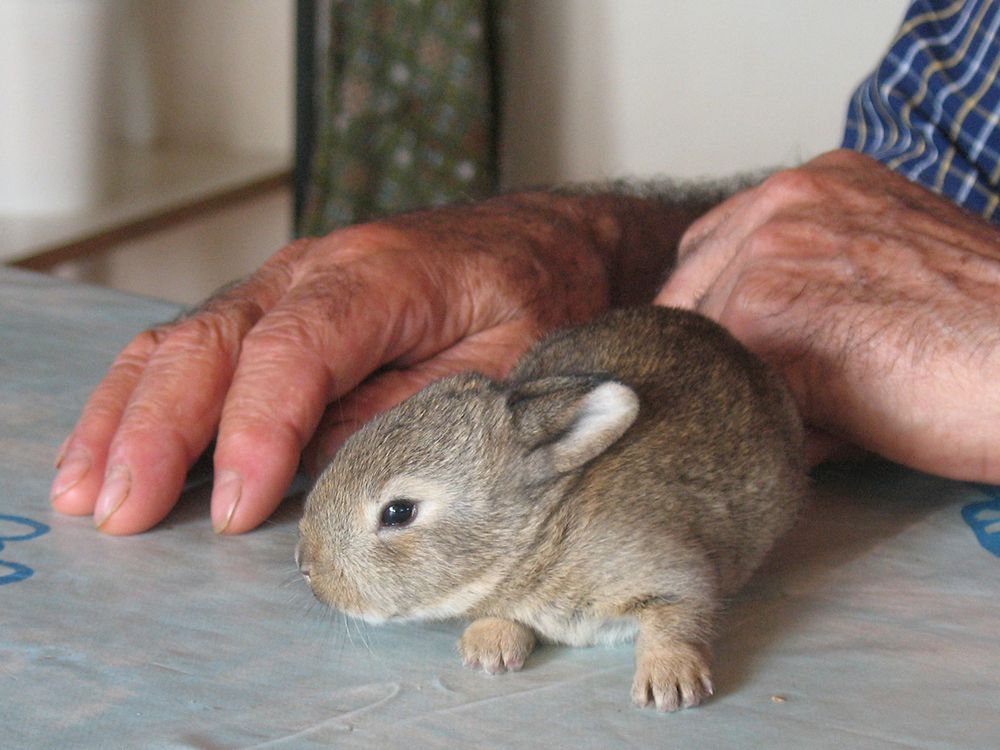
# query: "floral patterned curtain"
{"type": "Point", "coordinates": [404, 103]}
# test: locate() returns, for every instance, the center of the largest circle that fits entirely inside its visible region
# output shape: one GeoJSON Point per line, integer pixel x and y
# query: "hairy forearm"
{"type": "Point", "coordinates": [637, 226]}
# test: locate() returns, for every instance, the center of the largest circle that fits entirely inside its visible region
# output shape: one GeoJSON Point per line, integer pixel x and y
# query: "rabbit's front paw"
{"type": "Point", "coordinates": [496, 645]}
{"type": "Point", "coordinates": [672, 678]}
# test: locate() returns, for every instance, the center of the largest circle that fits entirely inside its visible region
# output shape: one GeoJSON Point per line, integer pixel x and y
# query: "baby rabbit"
{"type": "Point", "coordinates": [625, 477]}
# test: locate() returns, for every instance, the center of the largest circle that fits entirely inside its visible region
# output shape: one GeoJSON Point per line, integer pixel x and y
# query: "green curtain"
{"type": "Point", "coordinates": [404, 108]}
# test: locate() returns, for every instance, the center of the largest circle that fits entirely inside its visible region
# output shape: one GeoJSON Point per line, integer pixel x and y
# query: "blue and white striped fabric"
{"type": "Point", "coordinates": [932, 107]}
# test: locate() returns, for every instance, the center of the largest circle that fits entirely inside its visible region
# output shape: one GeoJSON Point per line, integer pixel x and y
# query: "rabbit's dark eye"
{"type": "Point", "coordinates": [398, 512]}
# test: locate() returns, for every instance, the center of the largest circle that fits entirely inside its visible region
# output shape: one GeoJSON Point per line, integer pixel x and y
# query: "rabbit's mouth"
{"type": "Point", "coordinates": [353, 605]}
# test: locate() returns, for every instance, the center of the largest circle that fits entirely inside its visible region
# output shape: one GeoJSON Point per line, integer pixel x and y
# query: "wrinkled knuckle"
{"type": "Point", "coordinates": [277, 332]}
{"type": "Point", "coordinates": [231, 304]}
{"type": "Point", "coordinates": [139, 417]}
{"type": "Point", "coordinates": [202, 338]}
{"type": "Point", "coordinates": [207, 331]}
{"type": "Point", "coordinates": [295, 330]}
{"type": "Point", "coordinates": [137, 353]}
{"type": "Point", "coordinates": [104, 406]}
{"type": "Point", "coordinates": [143, 416]}
{"type": "Point", "coordinates": [196, 332]}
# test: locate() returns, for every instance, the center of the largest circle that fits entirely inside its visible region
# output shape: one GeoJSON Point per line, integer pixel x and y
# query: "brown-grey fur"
{"type": "Point", "coordinates": [545, 505]}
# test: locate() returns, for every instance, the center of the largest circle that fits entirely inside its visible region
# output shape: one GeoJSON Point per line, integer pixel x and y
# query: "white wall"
{"type": "Point", "coordinates": [211, 72]}
{"type": "Point", "coordinates": [216, 73]}
{"type": "Point", "coordinates": [604, 88]}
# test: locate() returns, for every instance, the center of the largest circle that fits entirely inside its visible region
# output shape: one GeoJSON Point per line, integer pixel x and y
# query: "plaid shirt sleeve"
{"type": "Point", "coordinates": [932, 107]}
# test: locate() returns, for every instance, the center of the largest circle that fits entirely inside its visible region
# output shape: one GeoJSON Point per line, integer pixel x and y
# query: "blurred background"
{"type": "Point", "coordinates": [165, 147]}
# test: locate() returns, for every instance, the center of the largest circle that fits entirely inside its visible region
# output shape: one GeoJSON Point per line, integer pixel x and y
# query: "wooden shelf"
{"type": "Point", "coordinates": [147, 189]}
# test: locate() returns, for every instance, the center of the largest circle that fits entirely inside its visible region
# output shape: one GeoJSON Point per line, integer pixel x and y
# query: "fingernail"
{"type": "Point", "coordinates": [116, 486]}
{"type": "Point", "coordinates": [72, 470]}
{"type": "Point", "coordinates": [226, 495]}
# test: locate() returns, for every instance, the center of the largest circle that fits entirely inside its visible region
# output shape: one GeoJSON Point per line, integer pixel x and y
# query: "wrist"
{"type": "Point", "coordinates": [638, 227]}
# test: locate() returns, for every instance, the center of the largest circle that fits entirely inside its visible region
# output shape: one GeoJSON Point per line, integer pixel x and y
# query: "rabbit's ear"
{"type": "Point", "coordinates": [571, 419]}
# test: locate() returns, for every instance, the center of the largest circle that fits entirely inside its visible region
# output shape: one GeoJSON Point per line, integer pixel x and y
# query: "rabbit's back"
{"type": "Point", "coordinates": [718, 446]}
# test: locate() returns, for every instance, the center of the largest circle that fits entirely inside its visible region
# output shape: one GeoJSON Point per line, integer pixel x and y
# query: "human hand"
{"type": "Point", "coordinates": [877, 300]}
{"type": "Point", "coordinates": [357, 320]}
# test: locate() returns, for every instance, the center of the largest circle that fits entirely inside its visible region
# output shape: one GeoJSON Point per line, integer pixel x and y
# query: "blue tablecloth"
{"type": "Point", "coordinates": [874, 625]}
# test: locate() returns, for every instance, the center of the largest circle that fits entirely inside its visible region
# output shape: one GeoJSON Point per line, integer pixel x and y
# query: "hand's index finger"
{"type": "Point", "coordinates": [306, 352]}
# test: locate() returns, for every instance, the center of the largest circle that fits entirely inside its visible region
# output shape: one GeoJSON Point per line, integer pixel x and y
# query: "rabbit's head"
{"type": "Point", "coordinates": [427, 510]}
